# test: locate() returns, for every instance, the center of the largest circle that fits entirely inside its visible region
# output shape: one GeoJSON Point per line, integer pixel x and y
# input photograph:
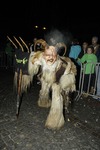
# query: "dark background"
{"type": "Point", "coordinates": [79, 19]}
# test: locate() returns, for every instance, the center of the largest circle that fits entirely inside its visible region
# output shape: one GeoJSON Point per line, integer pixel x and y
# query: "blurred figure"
{"type": "Point", "coordinates": [74, 52]}
{"type": "Point", "coordinates": [9, 54]}
{"type": "Point", "coordinates": [32, 45]}
{"type": "Point", "coordinates": [83, 51]}
{"type": "Point", "coordinates": [96, 46]}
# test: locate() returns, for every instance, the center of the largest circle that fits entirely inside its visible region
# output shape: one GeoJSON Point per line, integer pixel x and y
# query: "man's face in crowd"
{"type": "Point", "coordinates": [50, 55]}
{"type": "Point", "coordinates": [94, 41]}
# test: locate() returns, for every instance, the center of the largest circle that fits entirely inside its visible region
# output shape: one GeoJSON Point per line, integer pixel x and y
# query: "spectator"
{"type": "Point", "coordinates": [83, 51]}
{"type": "Point", "coordinates": [74, 52]}
{"type": "Point", "coordinates": [88, 58]}
{"type": "Point", "coordinates": [32, 45]}
{"type": "Point", "coordinates": [96, 46]}
{"type": "Point", "coordinates": [9, 54]}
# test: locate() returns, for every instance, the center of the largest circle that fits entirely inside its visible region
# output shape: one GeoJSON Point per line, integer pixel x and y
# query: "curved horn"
{"type": "Point", "coordinates": [19, 44]}
{"type": "Point", "coordinates": [40, 41]}
{"type": "Point", "coordinates": [24, 44]}
{"type": "Point", "coordinates": [61, 44]}
{"type": "Point", "coordinates": [11, 41]}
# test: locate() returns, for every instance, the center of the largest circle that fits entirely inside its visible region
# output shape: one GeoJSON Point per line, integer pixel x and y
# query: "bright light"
{"type": "Point", "coordinates": [44, 28]}
{"type": "Point", "coordinates": [36, 27]}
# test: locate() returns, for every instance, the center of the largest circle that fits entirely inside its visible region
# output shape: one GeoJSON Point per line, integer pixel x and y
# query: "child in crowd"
{"type": "Point", "coordinates": [89, 59]}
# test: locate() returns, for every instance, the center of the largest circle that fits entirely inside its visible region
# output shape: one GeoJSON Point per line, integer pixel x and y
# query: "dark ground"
{"type": "Point", "coordinates": [81, 130]}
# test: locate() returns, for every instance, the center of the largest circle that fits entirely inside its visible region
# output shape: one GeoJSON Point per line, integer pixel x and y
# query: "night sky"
{"type": "Point", "coordinates": [79, 19]}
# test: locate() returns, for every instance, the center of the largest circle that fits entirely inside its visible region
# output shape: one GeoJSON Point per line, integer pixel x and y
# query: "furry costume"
{"type": "Point", "coordinates": [55, 119]}
{"type": "Point", "coordinates": [59, 77]}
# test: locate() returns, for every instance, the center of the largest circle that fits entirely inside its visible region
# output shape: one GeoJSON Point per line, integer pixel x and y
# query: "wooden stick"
{"type": "Point", "coordinates": [19, 92]}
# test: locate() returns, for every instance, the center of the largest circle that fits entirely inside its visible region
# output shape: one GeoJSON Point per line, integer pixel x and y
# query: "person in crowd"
{"type": "Point", "coordinates": [84, 47]}
{"type": "Point", "coordinates": [75, 50]}
{"type": "Point", "coordinates": [89, 59]}
{"type": "Point", "coordinates": [96, 46]}
{"type": "Point", "coordinates": [9, 54]}
{"type": "Point", "coordinates": [98, 83]}
{"type": "Point", "coordinates": [32, 45]}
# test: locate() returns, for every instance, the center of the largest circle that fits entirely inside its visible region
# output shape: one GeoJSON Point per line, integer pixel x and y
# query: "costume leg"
{"type": "Point", "coordinates": [44, 96]}
{"type": "Point", "coordinates": [55, 119]}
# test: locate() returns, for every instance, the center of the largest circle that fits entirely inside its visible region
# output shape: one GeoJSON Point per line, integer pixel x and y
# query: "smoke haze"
{"type": "Point", "coordinates": [56, 36]}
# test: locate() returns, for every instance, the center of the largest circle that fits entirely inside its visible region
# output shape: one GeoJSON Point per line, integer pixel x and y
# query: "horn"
{"type": "Point", "coordinates": [59, 46]}
{"type": "Point", "coordinates": [24, 43]}
{"type": "Point", "coordinates": [11, 41]}
{"type": "Point", "coordinates": [19, 44]}
{"type": "Point", "coordinates": [42, 42]}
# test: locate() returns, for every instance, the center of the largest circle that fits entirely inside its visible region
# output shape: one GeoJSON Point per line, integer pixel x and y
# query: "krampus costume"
{"type": "Point", "coordinates": [57, 75]}
{"type": "Point", "coordinates": [22, 56]}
